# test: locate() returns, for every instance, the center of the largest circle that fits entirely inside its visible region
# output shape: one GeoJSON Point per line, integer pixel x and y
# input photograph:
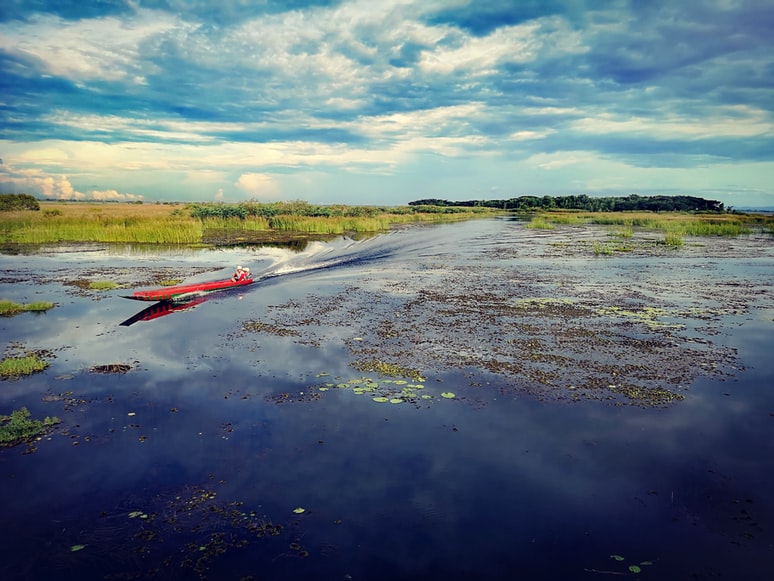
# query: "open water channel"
{"type": "Point", "coordinates": [478, 400]}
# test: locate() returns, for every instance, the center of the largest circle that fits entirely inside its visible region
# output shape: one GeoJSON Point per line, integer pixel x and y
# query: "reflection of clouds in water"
{"type": "Point", "coordinates": [496, 462]}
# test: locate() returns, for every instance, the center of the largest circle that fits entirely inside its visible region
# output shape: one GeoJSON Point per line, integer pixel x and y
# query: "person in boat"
{"type": "Point", "coordinates": [238, 275]}
{"type": "Point", "coordinates": [245, 274]}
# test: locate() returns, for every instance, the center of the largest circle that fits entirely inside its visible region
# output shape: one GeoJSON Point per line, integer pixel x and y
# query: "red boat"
{"type": "Point", "coordinates": [186, 291]}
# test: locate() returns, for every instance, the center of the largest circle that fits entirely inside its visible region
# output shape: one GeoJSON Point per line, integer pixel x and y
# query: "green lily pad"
{"type": "Point", "coordinates": [299, 510]}
{"type": "Point", "coordinates": [396, 400]}
{"type": "Point", "coordinates": [635, 569]}
{"type": "Point", "coordinates": [617, 557]}
{"type": "Point", "coordinates": [381, 399]}
{"type": "Point", "coordinates": [76, 548]}
{"type": "Point", "coordinates": [448, 394]}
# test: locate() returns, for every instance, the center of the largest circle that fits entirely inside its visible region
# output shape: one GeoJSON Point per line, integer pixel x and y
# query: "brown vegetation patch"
{"type": "Point", "coordinates": [111, 368]}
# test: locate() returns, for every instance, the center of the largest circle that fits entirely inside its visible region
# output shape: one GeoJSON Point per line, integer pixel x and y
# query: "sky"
{"type": "Point", "coordinates": [386, 102]}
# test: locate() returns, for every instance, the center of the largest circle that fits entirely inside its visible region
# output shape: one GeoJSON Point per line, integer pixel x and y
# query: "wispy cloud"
{"type": "Point", "coordinates": [377, 102]}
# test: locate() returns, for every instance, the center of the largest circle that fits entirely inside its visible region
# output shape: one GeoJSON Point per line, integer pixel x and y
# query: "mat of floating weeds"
{"type": "Point", "coordinates": [550, 331]}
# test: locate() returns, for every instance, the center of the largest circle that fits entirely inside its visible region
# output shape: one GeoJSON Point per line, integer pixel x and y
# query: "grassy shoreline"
{"type": "Point", "coordinates": [190, 223]}
{"type": "Point", "coordinates": [252, 222]}
{"type": "Point", "coordinates": [675, 226]}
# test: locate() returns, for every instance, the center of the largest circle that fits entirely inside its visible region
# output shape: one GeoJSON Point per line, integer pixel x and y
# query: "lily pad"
{"type": "Point", "coordinates": [299, 510]}
{"type": "Point", "coordinates": [76, 548]}
{"type": "Point", "coordinates": [396, 400]}
{"type": "Point", "coordinates": [381, 399]}
{"type": "Point", "coordinates": [448, 394]}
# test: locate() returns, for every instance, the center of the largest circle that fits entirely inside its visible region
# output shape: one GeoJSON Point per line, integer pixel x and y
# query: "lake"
{"type": "Point", "coordinates": [479, 400]}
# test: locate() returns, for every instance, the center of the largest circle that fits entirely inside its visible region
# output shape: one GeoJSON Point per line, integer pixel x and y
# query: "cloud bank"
{"type": "Point", "coordinates": [384, 102]}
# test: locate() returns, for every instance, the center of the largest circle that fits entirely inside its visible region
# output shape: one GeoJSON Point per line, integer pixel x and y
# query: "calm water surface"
{"type": "Point", "coordinates": [197, 462]}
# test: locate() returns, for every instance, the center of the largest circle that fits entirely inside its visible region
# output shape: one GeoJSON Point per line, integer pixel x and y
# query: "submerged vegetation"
{"type": "Point", "coordinates": [19, 428]}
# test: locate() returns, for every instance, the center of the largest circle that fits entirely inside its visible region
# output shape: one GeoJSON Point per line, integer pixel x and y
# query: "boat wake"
{"type": "Point", "coordinates": [315, 257]}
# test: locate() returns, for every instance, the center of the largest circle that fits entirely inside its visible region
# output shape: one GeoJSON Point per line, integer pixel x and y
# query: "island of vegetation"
{"type": "Point", "coordinates": [20, 428]}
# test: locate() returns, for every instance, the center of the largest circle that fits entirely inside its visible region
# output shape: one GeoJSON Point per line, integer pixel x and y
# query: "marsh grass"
{"type": "Point", "coordinates": [674, 238]}
{"type": "Point", "coordinates": [187, 223]}
{"type": "Point", "coordinates": [675, 225]}
{"type": "Point", "coordinates": [12, 367]}
{"type": "Point", "coordinates": [623, 232]}
{"type": "Point", "coordinates": [541, 223]}
{"type": "Point", "coordinates": [85, 222]}
{"type": "Point", "coordinates": [10, 308]}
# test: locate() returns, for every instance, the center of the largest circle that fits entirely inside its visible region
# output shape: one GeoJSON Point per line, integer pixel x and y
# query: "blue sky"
{"type": "Point", "coordinates": [364, 102]}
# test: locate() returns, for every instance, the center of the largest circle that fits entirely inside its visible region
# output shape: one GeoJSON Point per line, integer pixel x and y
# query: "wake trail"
{"type": "Point", "coordinates": [326, 256]}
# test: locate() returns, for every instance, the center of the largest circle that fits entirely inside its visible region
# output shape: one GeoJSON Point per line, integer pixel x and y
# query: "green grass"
{"type": "Point", "coordinates": [186, 224]}
{"type": "Point", "coordinates": [540, 222]}
{"type": "Point", "coordinates": [10, 308]}
{"type": "Point", "coordinates": [103, 285]}
{"type": "Point", "coordinates": [19, 428]}
{"type": "Point", "coordinates": [12, 367]}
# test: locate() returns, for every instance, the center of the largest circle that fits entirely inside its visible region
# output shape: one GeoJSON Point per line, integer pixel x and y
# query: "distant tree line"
{"type": "Point", "coordinates": [589, 203]}
{"type": "Point", "coordinates": [11, 202]}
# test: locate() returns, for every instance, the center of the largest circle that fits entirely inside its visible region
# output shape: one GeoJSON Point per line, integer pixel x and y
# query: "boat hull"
{"type": "Point", "coordinates": [180, 292]}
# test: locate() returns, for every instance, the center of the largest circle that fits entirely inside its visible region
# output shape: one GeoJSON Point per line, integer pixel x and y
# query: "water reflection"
{"type": "Point", "coordinates": [491, 484]}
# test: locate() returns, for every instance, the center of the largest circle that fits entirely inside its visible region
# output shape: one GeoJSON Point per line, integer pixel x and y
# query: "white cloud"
{"type": "Point", "coordinates": [99, 48]}
{"type": "Point", "coordinates": [722, 121]}
{"type": "Point", "coordinates": [258, 185]}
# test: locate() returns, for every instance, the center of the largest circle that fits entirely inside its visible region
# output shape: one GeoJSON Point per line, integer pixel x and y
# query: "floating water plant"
{"type": "Point", "coordinates": [388, 369]}
{"type": "Point", "coordinates": [12, 367]}
{"type": "Point", "coordinates": [19, 428]}
{"type": "Point", "coordinates": [448, 395]}
{"type": "Point", "coordinates": [103, 285]}
{"type": "Point", "coordinates": [10, 308]}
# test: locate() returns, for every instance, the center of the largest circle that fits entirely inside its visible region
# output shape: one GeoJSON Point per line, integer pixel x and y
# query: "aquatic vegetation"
{"type": "Point", "coordinates": [602, 248]}
{"type": "Point", "coordinates": [635, 569]}
{"type": "Point", "coordinates": [170, 281]}
{"type": "Point", "coordinates": [541, 223]}
{"type": "Point", "coordinates": [261, 327]}
{"type": "Point", "coordinates": [110, 368]}
{"type": "Point", "coordinates": [185, 528]}
{"type": "Point", "coordinates": [103, 285]}
{"type": "Point", "coordinates": [10, 308]}
{"type": "Point", "coordinates": [674, 238]}
{"type": "Point", "coordinates": [12, 367]}
{"type": "Point", "coordinates": [648, 316]}
{"type": "Point", "coordinates": [387, 369]}
{"type": "Point", "coordinates": [19, 428]}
